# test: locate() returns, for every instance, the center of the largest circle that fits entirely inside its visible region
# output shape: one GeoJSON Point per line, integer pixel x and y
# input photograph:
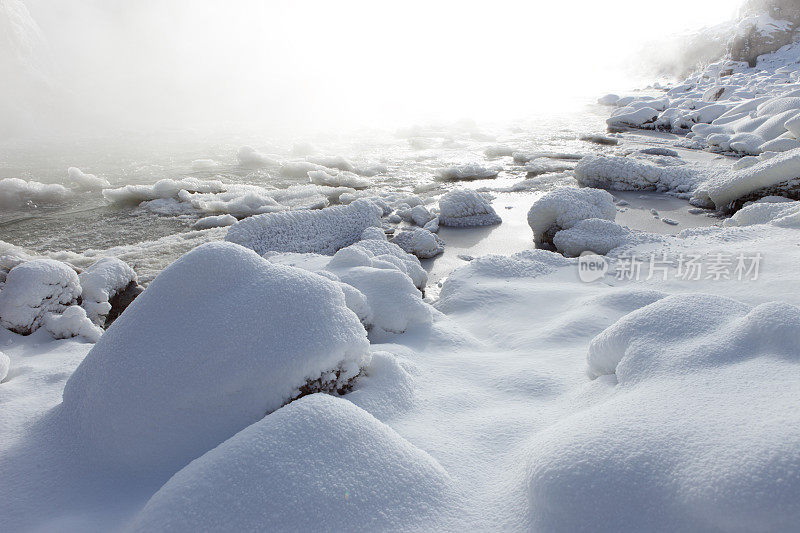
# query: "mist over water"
{"type": "Point", "coordinates": [96, 66]}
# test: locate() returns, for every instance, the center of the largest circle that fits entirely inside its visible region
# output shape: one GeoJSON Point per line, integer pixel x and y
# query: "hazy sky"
{"type": "Point", "coordinates": [312, 62]}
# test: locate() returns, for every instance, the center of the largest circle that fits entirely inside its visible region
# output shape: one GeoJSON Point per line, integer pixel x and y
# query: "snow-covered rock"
{"type": "Point", "coordinates": [72, 322]}
{"type": "Point", "coordinates": [324, 231]}
{"type": "Point", "coordinates": [625, 174]}
{"type": "Point", "coordinates": [770, 210]}
{"type": "Point", "coordinates": [298, 169]}
{"type": "Point", "coordinates": [33, 289]}
{"type": "Point", "coordinates": [252, 158]}
{"type": "Point", "coordinates": [17, 193]}
{"type": "Point", "coordinates": [319, 462]}
{"type": "Point", "coordinates": [162, 189]}
{"type": "Point", "coordinates": [100, 283]}
{"type": "Point", "coordinates": [464, 207]}
{"type": "Point", "coordinates": [420, 242]}
{"type": "Point", "coordinates": [82, 180]}
{"type": "Point", "coordinates": [342, 178]}
{"type": "Point", "coordinates": [332, 161]}
{"type": "Point", "coordinates": [563, 208]}
{"type": "Point", "coordinates": [471, 171]}
{"type": "Point", "coordinates": [219, 339]}
{"type": "Point", "coordinates": [215, 221]}
{"type": "Point", "coordinates": [591, 235]}
{"type": "Point", "coordinates": [700, 433]}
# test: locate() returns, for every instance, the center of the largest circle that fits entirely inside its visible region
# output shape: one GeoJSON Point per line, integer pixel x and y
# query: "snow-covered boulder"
{"type": "Point", "coordinates": [764, 178]}
{"type": "Point", "coordinates": [341, 178]}
{"type": "Point", "coordinates": [82, 180]}
{"type": "Point", "coordinates": [33, 289]}
{"type": "Point", "coordinates": [628, 117]}
{"type": "Point", "coordinates": [324, 231]}
{"type": "Point", "coordinates": [73, 322]}
{"type": "Point", "coordinates": [471, 171]}
{"type": "Point", "coordinates": [770, 210]}
{"type": "Point", "coordinates": [591, 235]}
{"type": "Point", "coordinates": [319, 462]}
{"type": "Point", "coordinates": [17, 193]}
{"type": "Point", "coordinates": [162, 189]}
{"type": "Point", "coordinates": [100, 283]}
{"type": "Point", "coordinates": [215, 221]}
{"type": "Point", "coordinates": [332, 161]}
{"type": "Point", "coordinates": [252, 158]}
{"type": "Point", "coordinates": [698, 428]}
{"type": "Point", "coordinates": [298, 169]}
{"type": "Point", "coordinates": [563, 208]}
{"type": "Point", "coordinates": [219, 339]}
{"type": "Point", "coordinates": [464, 207]}
{"type": "Point", "coordinates": [420, 242]}
{"type": "Point", "coordinates": [628, 174]}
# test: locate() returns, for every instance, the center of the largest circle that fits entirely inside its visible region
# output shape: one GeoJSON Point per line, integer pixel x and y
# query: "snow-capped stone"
{"type": "Point", "coordinates": [729, 187]}
{"type": "Point", "coordinates": [563, 208]}
{"type": "Point", "coordinates": [215, 221]}
{"type": "Point", "coordinates": [17, 193]}
{"type": "Point", "coordinates": [220, 338]}
{"type": "Point", "coordinates": [100, 283]}
{"type": "Point", "coordinates": [464, 207]}
{"type": "Point", "coordinates": [420, 242]}
{"type": "Point", "coordinates": [472, 171]}
{"type": "Point", "coordinates": [252, 158]}
{"type": "Point", "coordinates": [73, 322]}
{"type": "Point", "coordinates": [33, 289]}
{"type": "Point", "coordinates": [624, 174]}
{"type": "Point", "coordinates": [324, 231]}
{"type": "Point", "coordinates": [596, 235]}
{"type": "Point", "coordinates": [82, 180]}
{"type": "Point", "coordinates": [373, 478]}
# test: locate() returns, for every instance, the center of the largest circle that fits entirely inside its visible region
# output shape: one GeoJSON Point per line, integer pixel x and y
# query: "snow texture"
{"type": "Point", "coordinates": [628, 174]}
{"type": "Point", "coordinates": [464, 208]}
{"type": "Point", "coordinates": [219, 339]}
{"type": "Point", "coordinates": [73, 322]}
{"type": "Point", "coordinates": [323, 232]}
{"type": "Point", "coordinates": [472, 171]}
{"type": "Point", "coordinates": [420, 242]}
{"type": "Point", "coordinates": [591, 235]}
{"type": "Point", "coordinates": [562, 208]}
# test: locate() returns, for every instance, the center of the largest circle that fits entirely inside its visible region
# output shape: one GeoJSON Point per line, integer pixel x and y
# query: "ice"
{"type": "Point", "coordinates": [166, 188]}
{"type": "Point", "coordinates": [165, 383]}
{"type": "Point", "coordinates": [563, 208]}
{"type": "Point", "coordinates": [463, 208]}
{"type": "Point", "coordinates": [341, 178]}
{"type": "Point", "coordinates": [298, 169]}
{"type": "Point", "coordinates": [82, 180]}
{"type": "Point", "coordinates": [215, 221]}
{"type": "Point", "coordinates": [332, 161]}
{"type": "Point", "coordinates": [204, 164]}
{"type": "Point", "coordinates": [420, 242]}
{"type": "Point", "coordinates": [100, 283]}
{"type": "Point", "coordinates": [626, 174]}
{"type": "Point", "coordinates": [251, 158]}
{"type": "Point", "coordinates": [17, 193]}
{"type": "Point", "coordinates": [5, 365]}
{"type": "Point", "coordinates": [373, 478]}
{"type": "Point", "coordinates": [472, 171]}
{"type": "Point", "coordinates": [324, 231]}
{"type": "Point", "coordinates": [72, 322]}
{"type": "Point", "coordinates": [34, 288]}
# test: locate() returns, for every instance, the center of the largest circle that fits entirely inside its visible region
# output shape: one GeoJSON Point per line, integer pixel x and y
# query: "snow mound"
{"type": "Point", "coordinates": [298, 169]}
{"type": "Point", "coordinates": [463, 207]}
{"type": "Point", "coordinates": [73, 322]}
{"type": "Point", "coordinates": [629, 117]}
{"type": "Point", "coordinates": [776, 172]}
{"type": "Point", "coordinates": [472, 171]}
{"type": "Point", "coordinates": [324, 231]}
{"type": "Point", "coordinates": [420, 242]}
{"type": "Point", "coordinates": [563, 208]}
{"type": "Point", "coordinates": [82, 180]}
{"type": "Point", "coordinates": [318, 462]}
{"type": "Point", "coordinates": [341, 178]}
{"type": "Point", "coordinates": [219, 339]}
{"type": "Point", "coordinates": [215, 221]}
{"type": "Point", "coordinates": [332, 161]}
{"type": "Point", "coordinates": [5, 366]}
{"type": "Point", "coordinates": [204, 164]}
{"type": "Point", "coordinates": [696, 431]}
{"type": "Point", "coordinates": [100, 283]}
{"type": "Point", "coordinates": [591, 235]}
{"type": "Point", "coordinates": [776, 211]}
{"type": "Point", "coordinates": [252, 158]}
{"type": "Point", "coordinates": [33, 289]}
{"type": "Point", "coordinates": [16, 193]}
{"type": "Point", "coordinates": [627, 174]}
{"type": "Point", "coordinates": [166, 188]}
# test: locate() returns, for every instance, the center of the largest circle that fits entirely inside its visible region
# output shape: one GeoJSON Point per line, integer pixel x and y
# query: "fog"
{"type": "Point", "coordinates": [91, 66]}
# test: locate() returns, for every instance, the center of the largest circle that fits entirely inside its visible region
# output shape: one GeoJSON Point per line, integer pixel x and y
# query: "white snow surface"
{"type": "Point", "coordinates": [16, 193]}
{"type": "Point", "coordinates": [420, 242]}
{"type": "Point", "coordinates": [100, 282]}
{"type": "Point", "coordinates": [83, 180]}
{"type": "Point", "coordinates": [219, 339]}
{"type": "Point", "coordinates": [471, 171]}
{"type": "Point", "coordinates": [363, 476]}
{"type": "Point", "coordinates": [324, 231]}
{"type": "Point", "coordinates": [463, 208]}
{"type": "Point", "coordinates": [630, 174]}
{"type": "Point", "coordinates": [215, 221]}
{"type": "Point", "coordinates": [592, 235]}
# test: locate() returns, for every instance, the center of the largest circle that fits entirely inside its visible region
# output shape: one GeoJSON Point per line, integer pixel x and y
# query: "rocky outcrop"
{"type": "Point", "coordinates": [766, 26]}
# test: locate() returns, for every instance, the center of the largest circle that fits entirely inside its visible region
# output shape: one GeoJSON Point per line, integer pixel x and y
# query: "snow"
{"type": "Point", "coordinates": [373, 478]}
{"type": "Point", "coordinates": [420, 242]}
{"type": "Point", "coordinates": [769, 210]}
{"type": "Point", "coordinates": [17, 193]}
{"type": "Point", "coordinates": [162, 189]}
{"type": "Point", "coordinates": [33, 289]}
{"type": "Point", "coordinates": [627, 174]}
{"type": "Point", "coordinates": [215, 221]}
{"type": "Point", "coordinates": [298, 169]}
{"type": "Point", "coordinates": [324, 231]}
{"type": "Point", "coordinates": [341, 178]}
{"type": "Point", "coordinates": [100, 282]}
{"type": "Point", "coordinates": [204, 164]}
{"type": "Point", "coordinates": [463, 208]}
{"type": "Point", "coordinates": [563, 208]}
{"type": "Point", "coordinates": [72, 322]}
{"type": "Point", "coordinates": [5, 365]}
{"type": "Point", "coordinates": [595, 235]}
{"type": "Point", "coordinates": [252, 158]}
{"type": "Point", "coordinates": [472, 171]}
{"type": "Point", "coordinates": [82, 180]}
{"type": "Point", "coordinates": [160, 399]}
{"type": "Point", "coordinates": [332, 161]}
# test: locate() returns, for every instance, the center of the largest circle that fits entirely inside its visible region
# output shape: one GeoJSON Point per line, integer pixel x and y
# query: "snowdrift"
{"type": "Point", "coordinates": [463, 208]}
